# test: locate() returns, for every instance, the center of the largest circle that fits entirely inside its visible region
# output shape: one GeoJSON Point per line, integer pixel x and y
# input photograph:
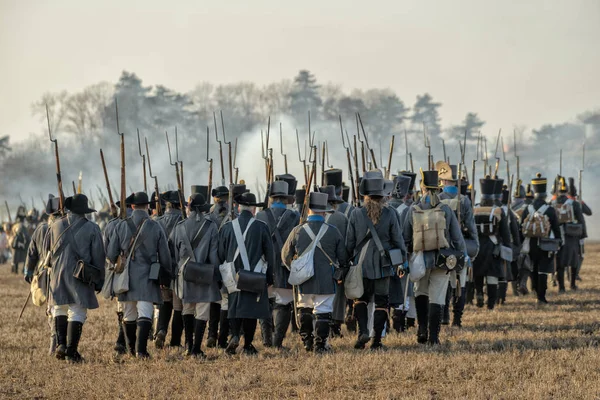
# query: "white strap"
{"type": "Point", "coordinates": [347, 210]}
{"type": "Point", "coordinates": [315, 240]}
{"type": "Point", "coordinates": [492, 213]}
{"type": "Point", "coordinates": [240, 239]}
{"type": "Point", "coordinates": [542, 209]}
{"type": "Point", "coordinates": [327, 217]}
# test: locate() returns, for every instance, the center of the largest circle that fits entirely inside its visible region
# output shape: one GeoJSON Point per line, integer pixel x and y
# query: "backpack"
{"type": "Point", "coordinates": [519, 210]}
{"type": "Point", "coordinates": [429, 227]}
{"type": "Point", "coordinates": [487, 220]}
{"type": "Point", "coordinates": [536, 224]}
{"type": "Point", "coordinates": [452, 203]}
{"type": "Point", "coordinates": [565, 212]}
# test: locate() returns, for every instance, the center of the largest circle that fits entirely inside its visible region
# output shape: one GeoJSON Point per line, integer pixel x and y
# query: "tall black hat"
{"type": "Point", "coordinates": [371, 186]}
{"type": "Point", "coordinates": [401, 185]}
{"type": "Point", "coordinates": [572, 187]}
{"type": "Point", "coordinates": [78, 204]}
{"type": "Point", "coordinates": [562, 184]}
{"type": "Point", "coordinates": [334, 177]}
{"type": "Point", "coordinates": [498, 185]}
{"type": "Point", "coordinates": [198, 202]}
{"type": "Point", "coordinates": [279, 189]}
{"type": "Point", "coordinates": [318, 202]}
{"type": "Point", "coordinates": [464, 186]}
{"type": "Point", "coordinates": [138, 199]}
{"type": "Point", "coordinates": [388, 187]}
{"type": "Point", "coordinates": [487, 187]}
{"type": "Point", "coordinates": [200, 189]}
{"type": "Point", "coordinates": [238, 190]}
{"type": "Point", "coordinates": [291, 181]}
{"type": "Point", "coordinates": [53, 205]}
{"type": "Point", "coordinates": [429, 179]}
{"type": "Point", "coordinates": [332, 196]}
{"type": "Point", "coordinates": [345, 193]}
{"type": "Point", "coordinates": [413, 178]}
{"type": "Point", "coordinates": [300, 195]}
{"type": "Point", "coordinates": [539, 184]}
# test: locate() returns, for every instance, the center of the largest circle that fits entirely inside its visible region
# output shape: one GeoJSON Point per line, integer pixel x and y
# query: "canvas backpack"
{"type": "Point", "coordinates": [487, 220]}
{"type": "Point", "coordinates": [565, 212]}
{"type": "Point", "coordinates": [429, 227]}
{"type": "Point", "coordinates": [536, 224]}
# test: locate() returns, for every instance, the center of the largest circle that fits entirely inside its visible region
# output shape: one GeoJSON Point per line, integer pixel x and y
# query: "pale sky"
{"type": "Point", "coordinates": [513, 62]}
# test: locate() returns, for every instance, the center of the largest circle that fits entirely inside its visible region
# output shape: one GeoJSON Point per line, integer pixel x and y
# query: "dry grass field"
{"type": "Point", "coordinates": [516, 351]}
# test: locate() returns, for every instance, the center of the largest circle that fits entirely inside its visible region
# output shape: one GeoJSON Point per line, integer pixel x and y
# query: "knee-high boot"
{"type": "Point", "coordinates": [306, 328]}
{"type": "Point", "coordinates": [560, 277]}
{"type": "Point", "coordinates": [542, 286]}
{"type": "Point", "coordinates": [361, 314]}
{"type": "Point", "coordinates": [458, 308]}
{"type": "Point", "coordinates": [502, 288]}
{"type": "Point", "coordinates": [523, 278]}
{"type": "Point", "coordinates": [213, 325]}
{"type": "Point", "coordinates": [199, 328]}
{"type": "Point", "coordinates": [130, 335]}
{"type": "Point", "coordinates": [322, 332]}
{"type": "Point", "coordinates": [435, 317]}
{"type": "Point", "coordinates": [479, 290]}
{"type": "Point", "coordinates": [266, 327]}
{"type": "Point", "coordinates": [379, 320]}
{"type": "Point", "coordinates": [144, 325]}
{"type": "Point", "coordinates": [282, 314]}
{"type": "Point", "coordinates": [60, 325]}
{"type": "Point", "coordinates": [188, 328]}
{"type": "Point", "coordinates": [398, 320]}
{"type": "Point", "coordinates": [224, 331]}
{"type": "Point", "coordinates": [422, 305]}
{"type": "Point", "coordinates": [162, 327]}
{"type": "Point", "coordinates": [573, 278]}
{"type": "Point", "coordinates": [74, 329]}
{"type": "Point", "coordinates": [120, 345]}
{"type": "Point", "coordinates": [470, 295]}
{"type": "Point", "coordinates": [492, 293]}
{"type": "Point", "coordinates": [249, 326]}
{"type": "Point", "coordinates": [176, 329]}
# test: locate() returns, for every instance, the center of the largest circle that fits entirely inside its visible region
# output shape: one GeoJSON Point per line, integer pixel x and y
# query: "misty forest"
{"type": "Point", "coordinates": [85, 121]}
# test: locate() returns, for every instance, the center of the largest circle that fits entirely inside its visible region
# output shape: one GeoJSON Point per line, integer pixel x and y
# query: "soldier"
{"type": "Point", "coordinates": [3, 243]}
{"type": "Point", "coordinates": [36, 252]}
{"type": "Point", "coordinates": [573, 230]}
{"type": "Point", "coordinates": [280, 221]}
{"type": "Point", "coordinates": [171, 304]}
{"type": "Point", "coordinates": [515, 237]}
{"type": "Point", "coordinates": [195, 245]}
{"type": "Point", "coordinates": [246, 307]}
{"type": "Point", "coordinates": [19, 241]}
{"type": "Point", "coordinates": [372, 230]}
{"type": "Point", "coordinates": [586, 210]}
{"type": "Point", "coordinates": [494, 232]}
{"type": "Point", "coordinates": [315, 302]}
{"type": "Point", "coordinates": [543, 223]}
{"type": "Point", "coordinates": [430, 290]}
{"type": "Point", "coordinates": [143, 241]}
{"type": "Point", "coordinates": [448, 174]}
{"type": "Point", "coordinates": [334, 177]}
{"type": "Point", "coordinates": [74, 242]}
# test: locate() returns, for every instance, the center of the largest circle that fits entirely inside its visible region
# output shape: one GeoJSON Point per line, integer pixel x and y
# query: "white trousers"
{"type": "Point", "coordinates": [132, 310]}
{"type": "Point", "coordinates": [198, 310]}
{"type": "Point", "coordinates": [462, 275]}
{"type": "Point", "coordinates": [73, 312]}
{"type": "Point", "coordinates": [320, 303]}
{"type": "Point", "coordinates": [283, 296]}
{"type": "Point", "coordinates": [371, 320]}
{"type": "Point", "coordinates": [434, 284]}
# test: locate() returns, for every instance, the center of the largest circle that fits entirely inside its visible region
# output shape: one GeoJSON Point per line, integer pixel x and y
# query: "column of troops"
{"type": "Point", "coordinates": [399, 256]}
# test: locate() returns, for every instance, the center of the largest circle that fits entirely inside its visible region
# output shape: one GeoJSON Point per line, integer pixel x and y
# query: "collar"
{"type": "Point", "coordinates": [278, 205]}
{"type": "Point", "coordinates": [451, 190]}
{"type": "Point", "coordinates": [315, 218]}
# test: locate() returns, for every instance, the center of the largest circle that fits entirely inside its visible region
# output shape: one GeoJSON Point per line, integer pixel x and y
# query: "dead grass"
{"type": "Point", "coordinates": [517, 351]}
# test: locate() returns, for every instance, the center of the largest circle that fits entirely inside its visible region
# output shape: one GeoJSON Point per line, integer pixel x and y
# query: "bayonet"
{"type": "Point", "coordinates": [220, 150]}
{"type": "Point", "coordinates": [123, 207]}
{"type": "Point", "coordinates": [178, 178]}
{"type": "Point", "coordinates": [113, 207]}
{"type": "Point", "coordinates": [373, 159]}
{"type": "Point", "coordinates": [156, 191]}
{"type": "Point", "coordinates": [229, 147]}
{"type": "Point", "coordinates": [280, 148]}
{"type": "Point", "coordinates": [143, 156]}
{"type": "Point", "coordinates": [61, 195]}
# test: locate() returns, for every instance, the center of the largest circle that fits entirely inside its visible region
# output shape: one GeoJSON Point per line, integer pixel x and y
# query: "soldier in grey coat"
{"type": "Point", "coordinates": [430, 291]}
{"type": "Point", "coordinates": [245, 307]}
{"type": "Point", "coordinates": [361, 244]}
{"type": "Point", "coordinates": [195, 240]}
{"type": "Point", "coordinates": [280, 221]}
{"type": "Point", "coordinates": [71, 239]}
{"type": "Point", "coordinates": [316, 295]}
{"type": "Point", "coordinates": [148, 248]}
{"type": "Point", "coordinates": [171, 305]}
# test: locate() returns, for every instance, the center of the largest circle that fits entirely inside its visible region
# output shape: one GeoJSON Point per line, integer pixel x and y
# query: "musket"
{"type": "Point", "coordinates": [210, 166]}
{"type": "Point", "coordinates": [156, 191]}
{"type": "Point", "coordinates": [74, 188]}
{"type": "Point", "coordinates": [281, 148]}
{"type": "Point", "coordinates": [560, 164]}
{"type": "Point", "coordinates": [235, 167]}
{"type": "Point", "coordinates": [389, 164]}
{"type": "Point", "coordinates": [427, 144]}
{"type": "Point", "coordinates": [516, 155]}
{"type": "Point", "coordinates": [123, 207]}
{"type": "Point", "coordinates": [473, 179]}
{"type": "Point", "coordinates": [349, 158]}
{"type": "Point", "coordinates": [229, 146]}
{"type": "Point", "coordinates": [8, 212]}
{"type": "Point", "coordinates": [406, 147]}
{"type": "Point", "coordinates": [303, 161]}
{"type": "Point", "coordinates": [220, 150]}
{"type": "Point", "coordinates": [362, 146]}
{"type": "Point", "coordinates": [444, 150]}
{"type": "Point", "coordinates": [329, 165]}
{"type": "Point", "coordinates": [143, 161]}
{"type": "Point", "coordinates": [322, 163]}
{"type": "Point", "coordinates": [496, 154]}
{"type": "Point", "coordinates": [113, 207]}
{"type": "Point", "coordinates": [484, 157]}
{"type": "Point", "coordinates": [357, 177]}
{"type": "Point", "coordinates": [367, 142]}
{"type": "Point", "coordinates": [381, 159]}
{"type": "Point", "coordinates": [23, 202]}
{"type": "Point", "coordinates": [412, 167]}
{"type": "Point", "coordinates": [61, 195]}
{"type": "Point", "coordinates": [581, 173]}
{"type": "Point", "coordinates": [177, 160]}
{"type": "Point", "coordinates": [177, 177]}
{"type": "Point", "coordinates": [313, 157]}
{"type": "Point", "coordinates": [80, 183]}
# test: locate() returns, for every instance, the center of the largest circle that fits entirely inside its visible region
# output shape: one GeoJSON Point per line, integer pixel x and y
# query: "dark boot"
{"type": "Point", "coordinates": [60, 325]}
{"type": "Point", "coordinates": [120, 345]}
{"type": "Point", "coordinates": [322, 332]}
{"type": "Point", "coordinates": [410, 322]}
{"type": "Point", "coordinates": [144, 325]}
{"type": "Point", "coordinates": [523, 278]}
{"type": "Point", "coordinates": [422, 305]}
{"type": "Point", "coordinates": [573, 278]}
{"type": "Point", "coordinates": [176, 329]}
{"type": "Point", "coordinates": [234, 342]}
{"type": "Point", "coordinates": [130, 332]}
{"type": "Point", "coordinates": [249, 326]}
{"type": "Point", "coordinates": [224, 332]}
{"type": "Point", "coordinates": [199, 328]}
{"type": "Point", "coordinates": [216, 316]}
{"type": "Point", "coordinates": [380, 318]}
{"type": "Point", "coordinates": [398, 320]}
{"type": "Point", "coordinates": [188, 328]}
{"type": "Point", "coordinates": [435, 319]}
{"type": "Point", "coordinates": [306, 328]}
{"type": "Point", "coordinates": [53, 344]}
{"type": "Point", "coordinates": [560, 277]}
{"type": "Point", "coordinates": [492, 293]}
{"type": "Point", "coordinates": [479, 291]}
{"type": "Point", "coordinates": [74, 329]}
{"type": "Point", "coordinates": [266, 331]}
{"type": "Point", "coordinates": [515, 288]}
{"type": "Point", "coordinates": [502, 288]}
{"type": "Point", "coordinates": [350, 320]}
{"type": "Point", "coordinates": [282, 314]}
{"type": "Point", "coordinates": [470, 287]}
{"type": "Point", "coordinates": [361, 314]}
{"type": "Point", "coordinates": [446, 313]}
{"type": "Point", "coordinates": [162, 327]}
{"type": "Point", "coordinates": [458, 309]}
{"type": "Point", "coordinates": [542, 286]}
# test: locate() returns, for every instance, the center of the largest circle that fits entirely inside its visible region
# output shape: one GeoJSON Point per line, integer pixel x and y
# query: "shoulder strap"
{"type": "Point", "coordinates": [542, 209]}
{"type": "Point", "coordinates": [347, 210]}
{"type": "Point", "coordinates": [276, 234]}
{"type": "Point", "coordinates": [241, 250]}
{"type": "Point", "coordinates": [73, 231]}
{"type": "Point", "coordinates": [195, 241]}
{"type": "Point", "coordinates": [316, 241]}
{"type": "Point", "coordinates": [59, 246]}
{"type": "Point", "coordinates": [374, 234]}
{"type": "Point", "coordinates": [134, 245]}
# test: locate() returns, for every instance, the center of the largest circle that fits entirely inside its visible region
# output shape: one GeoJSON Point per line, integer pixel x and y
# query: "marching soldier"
{"type": "Point", "coordinates": [144, 243]}
{"type": "Point", "coordinates": [195, 245]}
{"type": "Point", "coordinates": [316, 296]}
{"type": "Point", "coordinates": [280, 221]}
{"type": "Point", "coordinates": [539, 221]}
{"type": "Point", "coordinates": [37, 252]}
{"type": "Point", "coordinates": [76, 245]}
{"type": "Point", "coordinates": [19, 241]}
{"type": "Point", "coordinates": [430, 290]}
{"type": "Point", "coordinates": [448, 174]}
{"type": "Point", "coordinates": [573, 230]}
{"type": "Point", "coordinates": [171, 305]}
{"type": "Point", "coordinates": [586, 210]}
{"type": "Point", "coordinates": [373, 230]}
{"type": "Point", "coordinates": [334, 177]}
{"type": "Point", "coordinates": [246, 307]}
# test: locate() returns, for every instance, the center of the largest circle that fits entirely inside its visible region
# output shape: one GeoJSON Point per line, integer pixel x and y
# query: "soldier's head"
{"type": "Point", "coordinates": [279, 193]}
{"type": "Point", "coordinates": [78, 204]}
{"type": "Point", "coordinates": [332, 197]}
{"type": "Point", "coordinates": [197, 203]}
{"type": "Point", "coordinates": [247, 202]}
{"type": "Point", "coordinates": [539, 185]}
{"type": "Point", "coordinates": [563, 188]}
{"type": "Point", "coordinates": [318, 204]}
{"type": "Point", "coordinates": [139, 201]}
